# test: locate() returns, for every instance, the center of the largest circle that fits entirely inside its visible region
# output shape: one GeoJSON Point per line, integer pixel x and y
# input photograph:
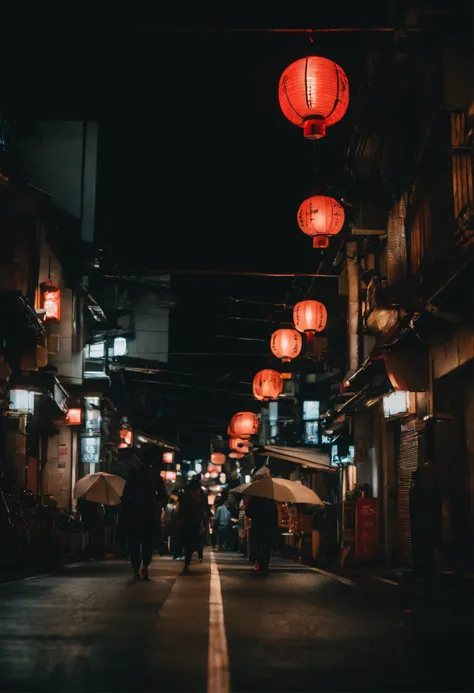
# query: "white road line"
{"type": "Point", "coordinates": [218, 675]}
{"type": "Point", "coordinates": [382, 579]}
{"type": "Point", "coordinates": [333, 576]}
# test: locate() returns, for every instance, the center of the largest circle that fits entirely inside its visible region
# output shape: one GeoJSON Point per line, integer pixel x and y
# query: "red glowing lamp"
{"type": "Point", "coordinates": [310, 316]}
{"type": "Point", "coordinates": [286, 344]}
{"type": "Point", "coordinates": [74, 416]}
{"type": "Point", "coordinates": [168, 457]}
{"type": "Point", "coordinates": [267, 385]}
{"type": "Point", "coordinates": [239, 445]}
{"type": "Point", "coordinates": [320, 216]}
{"type": "Point", "coordinates": [218, 458]}
{"type": "Point", "coordinates": [314, 94]}
{"type": "Point", "coordinates": [244, 424]}
{"type": "Point", "coordinates": [51, 302]}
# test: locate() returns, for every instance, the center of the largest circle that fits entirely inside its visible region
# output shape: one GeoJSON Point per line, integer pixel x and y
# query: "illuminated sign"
{"type": "Point", "coordinates": [90, 449]}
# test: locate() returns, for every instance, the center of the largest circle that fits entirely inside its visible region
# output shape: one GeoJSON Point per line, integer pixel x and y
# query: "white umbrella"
{"type": "Point", "coordinates": [281, 490]}
{"type": "Point", "coordinates": [100, 488]}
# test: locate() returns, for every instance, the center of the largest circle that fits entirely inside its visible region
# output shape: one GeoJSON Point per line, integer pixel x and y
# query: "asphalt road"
{"type": "Point", "coordinates": [223, 629]}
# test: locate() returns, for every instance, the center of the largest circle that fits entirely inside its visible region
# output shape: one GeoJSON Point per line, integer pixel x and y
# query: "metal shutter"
{"type": "Point", "coordinates": [407, 462]}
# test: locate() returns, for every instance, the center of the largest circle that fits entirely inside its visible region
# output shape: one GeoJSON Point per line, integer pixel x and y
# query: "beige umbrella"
{"type": "Point", "coordinates": [281, 490]}
{"type": "Point", "coordinates": [100, 488]}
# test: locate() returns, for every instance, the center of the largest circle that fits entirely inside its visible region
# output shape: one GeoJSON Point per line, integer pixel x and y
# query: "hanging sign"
{"type": "Point", "coordinates": [90, 449]}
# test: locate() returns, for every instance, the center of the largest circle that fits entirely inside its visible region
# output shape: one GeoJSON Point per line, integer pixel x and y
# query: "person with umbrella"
{"type": "Point", "coordinates": [263, 494]}
{"type": "Point", "coordinates": [143, 498]}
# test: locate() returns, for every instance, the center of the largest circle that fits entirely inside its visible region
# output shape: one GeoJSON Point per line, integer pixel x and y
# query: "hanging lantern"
{"type": "Point", "coordinates": [74, 416]}
{"type": "Point", "coordinates": [51, 302]}
{"type": "Point", "coordinates": [239, 445]}
{"type": "Point", "coordinates": [168, 457]}
{"type": "Point", "coordinates": [320, 216]}
{"type": "Point", "coordinates": [126, 438]}
{"type": "Point", "coordinates": [244, 424]}
{"type": "Point", "coordinates": [286, 344]}
{"type": "Point", "coordinates": [310, 316]}
{"type": "Point", "coordinates": [236, 455]}
{"type": "Point", "coordinates": [313, 93]}
{"type": "Point", "coordinates": [267, 385]}
{"type": "Point", "coordinates": [217, 458]}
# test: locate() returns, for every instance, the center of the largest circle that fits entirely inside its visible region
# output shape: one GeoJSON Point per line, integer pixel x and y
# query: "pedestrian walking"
{"type": "Point", "coordinates": [173, 528]}
{"type": "Point", "coordinates": [222, 524]}
{"type": "Point", "coordinates": [143, 498]}
{"type": "Point", "coordinates": [193, 513]}
{"type": "Point", "coordinates": [263, 514]}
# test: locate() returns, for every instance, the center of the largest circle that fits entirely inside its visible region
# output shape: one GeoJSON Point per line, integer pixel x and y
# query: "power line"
{"type": "Point", "coordinates": [218, 272]}
{"type": "Point", "coordinates": [195, 387]}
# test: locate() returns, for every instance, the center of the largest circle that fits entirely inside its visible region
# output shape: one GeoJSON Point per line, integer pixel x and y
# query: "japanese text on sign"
{"type": "Point", "coordinates": [90, 449]}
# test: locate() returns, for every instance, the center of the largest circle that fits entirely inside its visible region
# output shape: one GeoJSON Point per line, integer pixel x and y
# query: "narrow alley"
{"type": "Point", "coordinates": [222, 628]}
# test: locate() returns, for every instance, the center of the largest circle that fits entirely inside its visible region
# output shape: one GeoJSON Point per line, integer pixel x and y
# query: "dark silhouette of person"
{"type": "Point", "coordinates": [193, 515]}
{"type": "Point", "coordinates": [263, 514]}
{"type": "Point", "coordinates": [143, 498]}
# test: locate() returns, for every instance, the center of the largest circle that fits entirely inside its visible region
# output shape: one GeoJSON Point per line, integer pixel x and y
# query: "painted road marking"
{"type": "Point", "coordinates": [382, 579]}
{"type": "Point", "coordinates": [218, 676]}
{"type": "Point", "coordinates": [333, 576]}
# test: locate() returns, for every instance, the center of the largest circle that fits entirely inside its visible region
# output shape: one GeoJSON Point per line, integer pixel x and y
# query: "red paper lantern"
{"type": "Point", "coordinates": [236, 455]}
{"type": "Point", "coordinates": [126, 438]}
{"type": "Point", "coordinates": [239, 445]}
{"type": "Point", "coordinates": [267, 385]}
{"type": "Point", "coordinates": [217, 458]}
{"type": "Point", "coordinates": [51, 302]}
{"type": "Point", "coordinates": [313, 93]}
{"type": "Point", "coordinates": [74, 416]}
{"type": "Point", "coordinates": [320, 216]}
{"type": "Point", "coordinates": [286, 344]}
{"type": "Point", "coordinates": [168, 457]}
{"type": "Point", "coordinates": [244, 424]}
{"type": "Point", "coordinates": [310, 316]}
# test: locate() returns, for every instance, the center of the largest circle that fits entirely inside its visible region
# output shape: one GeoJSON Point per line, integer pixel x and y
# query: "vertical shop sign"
{"type": "Point", "coordinates": [367, 529]}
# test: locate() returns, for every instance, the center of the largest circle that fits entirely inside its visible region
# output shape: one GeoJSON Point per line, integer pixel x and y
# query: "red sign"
{"type": "Point", "coordinates": [367, 529]}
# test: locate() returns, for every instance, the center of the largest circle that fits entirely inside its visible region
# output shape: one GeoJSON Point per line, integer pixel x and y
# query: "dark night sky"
{"type": "Point", "coordinates": [197, 164]}
{"type": "Point", "coordinates": [198, 168]}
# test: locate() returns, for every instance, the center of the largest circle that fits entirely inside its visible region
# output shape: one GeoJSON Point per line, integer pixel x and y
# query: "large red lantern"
{"type": "Point", "coordinates": [286, 344]}
{"type": "Point", "coordinates": [310, 316]}
{"type": "Point", "coordinates": [244, 424]}
{"type": "Point", "coordinates": [218, 458]}
{"type": "Point", "coordinates": [320, 216]}
{"type": "Point", "coordinates": [267, 385]}
{"type": "Point", "coordinates": [313, 93]}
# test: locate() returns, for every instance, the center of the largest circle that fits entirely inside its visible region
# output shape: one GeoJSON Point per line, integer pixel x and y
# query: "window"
{"type": "Point", "coordinates": [311, 410]}
{"type": "Point", "coordinates": [95, 351]}
{"type": "Point", "coordinates": [120, 346]}
{"type": "Point", "coordinates": [22, 400]}
{"type": "Point", "coordinates": [311, 432]}
{"type": "Point", "coordinates": [337, 460]}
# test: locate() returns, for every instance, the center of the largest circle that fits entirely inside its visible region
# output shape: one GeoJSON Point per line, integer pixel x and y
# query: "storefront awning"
{"type": "Point", "coordinates": [315, 459]}
{"type": "Point", "coordinates": [43, 382]}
